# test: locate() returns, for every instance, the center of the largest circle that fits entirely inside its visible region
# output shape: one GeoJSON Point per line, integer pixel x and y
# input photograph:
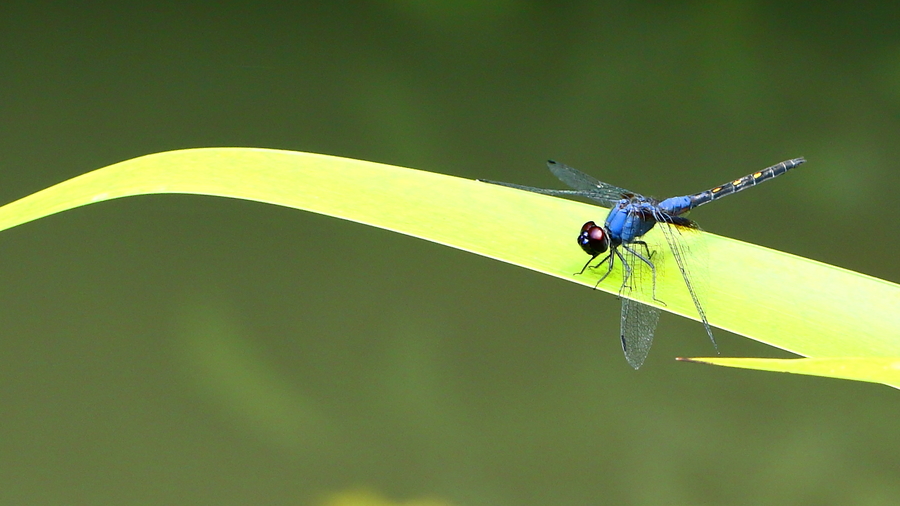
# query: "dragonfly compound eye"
{"type": "Point", "coordinates": [593, 239]}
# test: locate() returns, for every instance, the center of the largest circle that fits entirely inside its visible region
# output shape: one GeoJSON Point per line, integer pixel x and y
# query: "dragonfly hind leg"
{"type": "Point", "coordinates": [646, 248]}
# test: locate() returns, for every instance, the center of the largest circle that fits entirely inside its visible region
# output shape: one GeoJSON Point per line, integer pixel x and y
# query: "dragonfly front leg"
{"type": "Point", "coordinates": [607, 257]}
{"type": "Point", "coordinates": [609, 267]}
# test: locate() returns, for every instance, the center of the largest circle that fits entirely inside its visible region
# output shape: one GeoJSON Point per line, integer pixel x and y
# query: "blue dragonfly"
{"type": "Point", "coordinates": [631, 216]}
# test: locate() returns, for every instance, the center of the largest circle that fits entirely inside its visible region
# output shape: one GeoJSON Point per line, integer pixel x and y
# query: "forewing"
{"type": "Point", "coordinates": [591, 187]}
{"type": "Point", "coordinates": [545, 191]}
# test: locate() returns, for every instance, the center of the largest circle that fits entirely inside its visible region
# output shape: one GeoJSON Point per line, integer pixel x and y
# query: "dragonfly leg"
{"type": "Point", "coordinates": [647, 261]}
{"type": "Point", "coordinates": [609, 267]}
{"type": "Point", "coordinates": [589, 263]}
{"type": "Point", "coordinates": [646, 248]}
{"type": "Point", "coordinates": [626, 269]}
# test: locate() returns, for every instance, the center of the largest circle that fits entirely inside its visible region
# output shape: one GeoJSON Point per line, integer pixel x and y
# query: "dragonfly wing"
{"type": "Point", "coordinates": [545, 191]}
{"type": "Point", "coordinates": [638, 325]}
{"type": "Point", "coordinates": [638, 319]}
{"type": "Point", "coordinates": [676, 235]}
{"type": "Point", "coordinates": [594, 189]}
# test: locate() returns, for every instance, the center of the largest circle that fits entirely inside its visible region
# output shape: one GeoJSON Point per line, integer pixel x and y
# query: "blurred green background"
{"type": "Point", "coordinates": [194, 350]}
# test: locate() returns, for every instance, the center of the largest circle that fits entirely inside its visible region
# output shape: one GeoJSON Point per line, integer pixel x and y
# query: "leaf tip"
{"type": "Point", "coordinates": [691, 360]}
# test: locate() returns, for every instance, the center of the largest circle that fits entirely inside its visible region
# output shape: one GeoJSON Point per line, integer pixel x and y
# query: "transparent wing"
{"type": "Point", "coordinates": [545, 191]}
{"type": "Point", "coordinates": [590, 187]}
{"type": "Point", "coordinates": [638, 320]}
{"type": "Point", "coordinates": [675, 235]}
{"type": "Point", "coordinates": [638, 325]}
{"type": "Point", "coordinates": [583, 186]}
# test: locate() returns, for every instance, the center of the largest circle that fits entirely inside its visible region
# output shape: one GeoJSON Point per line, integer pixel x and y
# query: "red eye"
{"type": "Point", "coordinates": [593, 239]}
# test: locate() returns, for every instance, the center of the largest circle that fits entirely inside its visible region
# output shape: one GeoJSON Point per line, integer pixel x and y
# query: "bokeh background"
{"type": "Point", "coordinates": [194, 350]}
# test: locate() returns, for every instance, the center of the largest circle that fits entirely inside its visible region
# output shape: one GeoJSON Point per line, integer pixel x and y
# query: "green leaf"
{"type": "Point", "coordinates": [799, 305]}
{"type": "Point", "coordinates": [872, 369]}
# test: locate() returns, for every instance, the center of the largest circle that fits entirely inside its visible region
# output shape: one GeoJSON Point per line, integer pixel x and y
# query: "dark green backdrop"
{"type": "Point", "coordinates": [193, 350]}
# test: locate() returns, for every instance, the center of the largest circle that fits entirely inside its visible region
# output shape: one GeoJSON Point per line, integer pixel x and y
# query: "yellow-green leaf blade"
{"type": "Point", "coordinates": [872, 369]}
{"type": "Point", "coordinates": [790, 302]}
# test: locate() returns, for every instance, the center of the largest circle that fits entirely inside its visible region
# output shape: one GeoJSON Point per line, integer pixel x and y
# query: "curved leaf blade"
{"type": "Point", "coordinates": [871, 369]}
{"type": "Point", "coordinates": [800, 305]}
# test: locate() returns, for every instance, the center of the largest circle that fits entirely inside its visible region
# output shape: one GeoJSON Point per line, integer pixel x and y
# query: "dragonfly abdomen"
{"type": "Point", "coordinates": [743, 183]}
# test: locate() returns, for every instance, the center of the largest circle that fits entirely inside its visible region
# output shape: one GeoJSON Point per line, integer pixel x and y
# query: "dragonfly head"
{"type": "Point", "coordinates": [593, 240]}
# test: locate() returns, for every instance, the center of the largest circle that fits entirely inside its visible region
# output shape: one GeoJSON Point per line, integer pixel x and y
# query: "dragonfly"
{"type": "Point", "coordinates": [631, 216]}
